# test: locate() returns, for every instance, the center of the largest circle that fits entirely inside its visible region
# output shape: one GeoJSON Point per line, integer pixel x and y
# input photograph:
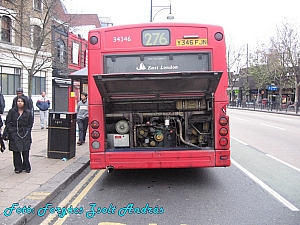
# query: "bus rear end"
{"type": "Point", "coordinates": [157, 97]}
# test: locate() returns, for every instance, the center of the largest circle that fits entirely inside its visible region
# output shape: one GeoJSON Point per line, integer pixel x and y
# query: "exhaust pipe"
{"type": "Point", "coordinates": [180, 135]}
{"type": "Point", "coordinates": [110, 169]}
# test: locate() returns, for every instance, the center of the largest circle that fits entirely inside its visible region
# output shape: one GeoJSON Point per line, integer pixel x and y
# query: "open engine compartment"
{"type": "Point", "coordinates": [159, 110]}
{"type": "Point", "coordinates": [187, 125]}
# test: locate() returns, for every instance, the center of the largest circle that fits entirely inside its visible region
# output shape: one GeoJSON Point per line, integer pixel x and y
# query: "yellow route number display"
{"type": "Point", "coordinates": [191, 42]}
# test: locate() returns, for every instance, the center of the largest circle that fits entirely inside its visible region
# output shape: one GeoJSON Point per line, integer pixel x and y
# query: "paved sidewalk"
{"type": "Point", "coordinates": [48, 176]}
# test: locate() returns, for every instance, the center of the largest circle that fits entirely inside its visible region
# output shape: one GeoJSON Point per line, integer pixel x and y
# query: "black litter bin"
{"type": "Point", "coordinates": [61, 135]}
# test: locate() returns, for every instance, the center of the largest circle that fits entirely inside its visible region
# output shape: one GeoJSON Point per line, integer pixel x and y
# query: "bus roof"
{"type": "Point", "coordinates": [157, 24]}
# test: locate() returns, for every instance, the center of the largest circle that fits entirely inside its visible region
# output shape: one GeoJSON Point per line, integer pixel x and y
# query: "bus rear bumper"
{"type": "Point", "coordinates": [160, 159]}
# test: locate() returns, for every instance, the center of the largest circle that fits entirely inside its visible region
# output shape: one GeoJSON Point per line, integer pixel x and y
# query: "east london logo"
{"type": "Point", "coordinates": [161, 67]}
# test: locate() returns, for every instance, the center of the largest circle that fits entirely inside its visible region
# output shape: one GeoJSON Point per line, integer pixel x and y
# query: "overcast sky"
{"type": "Point", "coordinates": [244, 22]}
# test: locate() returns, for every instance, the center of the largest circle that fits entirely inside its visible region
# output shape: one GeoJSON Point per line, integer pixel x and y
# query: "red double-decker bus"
{"type": "Point", "coordinates": [157, 96]}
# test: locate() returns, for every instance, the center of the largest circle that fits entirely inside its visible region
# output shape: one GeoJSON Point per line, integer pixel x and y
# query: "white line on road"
{"type": "Point", "coordinates": [239, 140]}
{"type": "Point", "coordinates": [283, 162]}
{"type": "Point", "coordinates": [279, 160]}
{"type": "Point", "coordinates": [272, 126]}
{"type": "Point", "coordinates": [280, 118]}
{"type": "Point", "coordinates": [266, 187]}
{"type": "Point", "coordinates": [241, 119]}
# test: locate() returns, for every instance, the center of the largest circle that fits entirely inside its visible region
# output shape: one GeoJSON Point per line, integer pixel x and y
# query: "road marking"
{"type": "Point", "coordinates": [244, 143]}
{"type": "Point", "coordinates": [272, 126]}
{"type": "Point", "coordinates": [66, 201]}
{"type": "Point", "coordinates": [279, 160]}
{"type": "Point", "coordinates": [266, 187]}
{"type": "Point", "coordinates": [110, 223]}
{"type": "Point", "coordinates": [83, 193]}
{"type": "Point", "coordinates": [280, 118]}
{"type": "Point", "coordinates": [38, 195]}
{"type": "Point", "coordinates": [283, 162]}
{"type": "Point", "coordinates": [241, 119]}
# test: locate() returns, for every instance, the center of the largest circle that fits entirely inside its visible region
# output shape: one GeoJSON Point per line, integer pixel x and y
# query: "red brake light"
{"type": "Point", "coordinates": [223, 142]}
{"type": "Point", "coordinates": [223, 121]}
{"type": "Point", "coordinates": [223, 131]}
{"type": "Point", "coordinates": [95, 134]}
{"type": "Point", "coordinates": [95, 124]}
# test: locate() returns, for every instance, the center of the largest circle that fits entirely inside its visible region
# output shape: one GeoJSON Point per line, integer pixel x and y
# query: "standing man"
{"type": "Point", "coordinates": [82, 117]}
{"type": "Point", "coordinates": [43, 104]}
{"type": "Point", "coordinates": [28, 103]}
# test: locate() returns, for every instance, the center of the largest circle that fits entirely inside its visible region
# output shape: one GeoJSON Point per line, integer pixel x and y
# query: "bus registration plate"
{"type": "Point", "coordinates": [191, 42]}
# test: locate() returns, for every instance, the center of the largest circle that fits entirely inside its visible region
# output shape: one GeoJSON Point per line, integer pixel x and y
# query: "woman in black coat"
{"type": "Point", "coordinates": [19, 123]}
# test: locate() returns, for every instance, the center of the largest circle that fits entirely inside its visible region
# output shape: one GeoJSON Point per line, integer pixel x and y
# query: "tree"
{"type": "Point", "coordinates": [32, 29]}
{"type": "Point", "coordinates": [237, 58]}
{"type": "Point", "coordinates": [258, 69]}
{"type": "Point", "coordinates": [286, 46]}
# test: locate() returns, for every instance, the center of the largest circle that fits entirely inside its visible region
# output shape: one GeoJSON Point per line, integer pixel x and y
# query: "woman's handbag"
{"type": "Point", "coordinates": [5, 135]}
{"type": "Point", "coordinates": [2, 145]}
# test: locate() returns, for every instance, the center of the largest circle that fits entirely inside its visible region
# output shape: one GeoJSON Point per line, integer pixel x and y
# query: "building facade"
{"type": "Point", "coordinates": [22, 56]}
{"type": "Point", "coordinates": [70, 53]}
{"type": "Point", "coordinates": [37, 45]}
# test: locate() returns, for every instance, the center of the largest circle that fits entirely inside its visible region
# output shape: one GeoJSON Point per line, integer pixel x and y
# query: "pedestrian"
{"type": "Point", "coordinates": [2, 146]}
{"type": "Point", "coordinates": [82, 117]}
{"type": "Point", "coordinates": [2, 106]}
{"type": "Point", "coordinates": [2, 103]}
{"type": "Point", "coordinates": [19, 122]}
{"type": "Point", "coordinates": [239, 102]}
{"type": "Point", "coordinates": [43, 104]}
{"type": "Point", "coordinates": [29, 103]}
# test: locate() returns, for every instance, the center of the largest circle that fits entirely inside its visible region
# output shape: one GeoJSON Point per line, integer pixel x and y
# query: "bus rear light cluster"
{"type": "Point", "coordinates": [224, 131]}
{"type": "Point", "coordinates": [95, 134]}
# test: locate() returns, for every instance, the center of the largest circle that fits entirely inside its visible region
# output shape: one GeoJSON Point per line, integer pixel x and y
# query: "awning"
{"type": "Point", "coordinates": [83, 73]}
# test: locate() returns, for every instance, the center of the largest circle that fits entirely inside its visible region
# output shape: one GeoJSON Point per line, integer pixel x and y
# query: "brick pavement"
{"type": "Point", "coordinates": [48, 176]}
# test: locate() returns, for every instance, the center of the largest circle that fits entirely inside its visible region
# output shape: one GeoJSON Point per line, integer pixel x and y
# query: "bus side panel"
{"type": "Point", "coordinates": [160, 159]}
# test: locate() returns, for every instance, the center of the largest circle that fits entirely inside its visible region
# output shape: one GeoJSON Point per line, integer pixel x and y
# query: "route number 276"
{"type": "Point", "coordinates": [155, 39]}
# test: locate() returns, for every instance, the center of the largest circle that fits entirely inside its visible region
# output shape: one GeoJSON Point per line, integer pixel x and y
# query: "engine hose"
{"type": "Point", "coordinates": [180, 135]}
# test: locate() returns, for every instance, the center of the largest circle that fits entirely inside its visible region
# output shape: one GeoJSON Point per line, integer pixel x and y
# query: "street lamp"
{"type": "Point", "coordinates": [169, 17]}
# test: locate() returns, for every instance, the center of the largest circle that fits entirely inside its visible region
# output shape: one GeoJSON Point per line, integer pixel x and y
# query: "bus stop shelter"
{"type": "Point", "coordinates": [79, 81]}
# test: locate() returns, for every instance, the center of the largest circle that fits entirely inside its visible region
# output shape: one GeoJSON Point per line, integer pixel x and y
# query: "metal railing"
{"type": "Point", "coordinates": [266, 106]}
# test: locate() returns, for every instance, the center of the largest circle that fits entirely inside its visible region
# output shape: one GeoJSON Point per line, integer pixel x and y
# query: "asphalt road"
{"type": "Point", "coordinates": [256, 189]}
